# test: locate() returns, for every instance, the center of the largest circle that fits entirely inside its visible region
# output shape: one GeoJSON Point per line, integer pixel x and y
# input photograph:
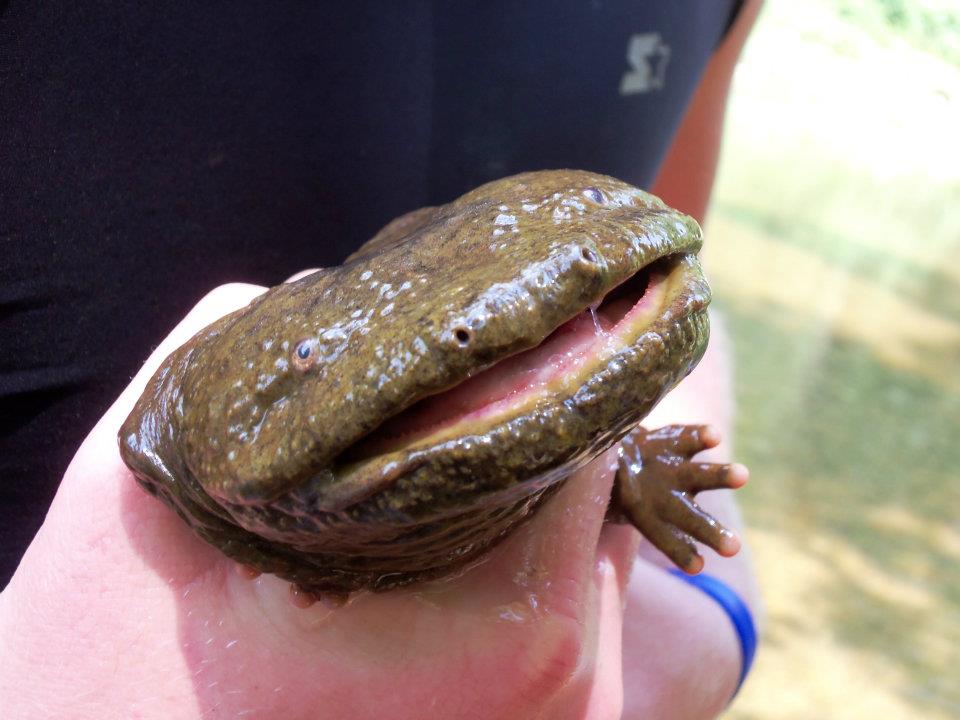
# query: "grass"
{"type": "Point", "coordinates": [932, 25]}
{"type": "Point", "coordinates": [834, 251]}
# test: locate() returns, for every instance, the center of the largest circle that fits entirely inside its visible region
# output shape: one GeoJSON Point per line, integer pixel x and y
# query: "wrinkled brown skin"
{"type": "Point", "coordinates": [250, 444]}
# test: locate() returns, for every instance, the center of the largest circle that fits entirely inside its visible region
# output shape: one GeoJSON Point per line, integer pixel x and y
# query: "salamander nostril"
{"type": "Point", "coordinates": [463, 335]}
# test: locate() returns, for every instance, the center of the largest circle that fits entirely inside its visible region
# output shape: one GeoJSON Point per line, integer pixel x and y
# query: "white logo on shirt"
{"type": "Point", "coordinates": [648, 56]}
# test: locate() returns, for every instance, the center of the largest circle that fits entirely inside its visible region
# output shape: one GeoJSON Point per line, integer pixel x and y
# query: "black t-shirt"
{"type": "Point", "coordinates": [151, 151]}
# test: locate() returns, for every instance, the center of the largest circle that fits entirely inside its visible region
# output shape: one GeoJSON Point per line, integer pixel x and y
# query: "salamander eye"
{"type": "Point", "coordinates": [305, 354]}
{"type": "Point", "coordinates": [592, 193]}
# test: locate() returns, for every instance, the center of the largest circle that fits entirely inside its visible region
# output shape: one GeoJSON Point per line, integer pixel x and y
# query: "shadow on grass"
{"type": "Point", "coordinates": [856, 463]}
{"type": "Point", "coordinates": [932, 289]}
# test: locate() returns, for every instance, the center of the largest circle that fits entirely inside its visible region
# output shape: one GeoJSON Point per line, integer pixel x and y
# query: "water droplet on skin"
{"type": "Point", "coordinates": [515, 612]}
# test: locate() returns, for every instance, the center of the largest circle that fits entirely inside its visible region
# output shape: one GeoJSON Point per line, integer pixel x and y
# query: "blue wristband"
{"type": "Point", "coordinates": [736, 610]}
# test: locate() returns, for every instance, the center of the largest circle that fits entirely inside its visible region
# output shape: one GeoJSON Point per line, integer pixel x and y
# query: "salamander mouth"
{"type": "Point", "coordinates": [557, 365]}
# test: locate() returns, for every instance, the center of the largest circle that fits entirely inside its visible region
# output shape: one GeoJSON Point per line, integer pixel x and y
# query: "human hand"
{"type": "Point", "coordinates": [118, 610]}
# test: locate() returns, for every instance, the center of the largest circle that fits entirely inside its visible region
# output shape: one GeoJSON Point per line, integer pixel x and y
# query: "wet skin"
{"type": "Point", "coordinates": [349, 430]}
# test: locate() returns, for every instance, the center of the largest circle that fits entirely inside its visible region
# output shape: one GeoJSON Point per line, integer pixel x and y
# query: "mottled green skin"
{"type": "Point", "coordinates": [247, 442]}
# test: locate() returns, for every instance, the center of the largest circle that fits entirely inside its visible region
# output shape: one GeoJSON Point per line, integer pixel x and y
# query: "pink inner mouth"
{"type": "Point", "coordinates": [514, 379]}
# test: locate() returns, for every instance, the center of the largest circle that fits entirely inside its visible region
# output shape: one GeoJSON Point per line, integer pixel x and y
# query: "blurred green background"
{"type": "Point", "coordinates": [834, 249]}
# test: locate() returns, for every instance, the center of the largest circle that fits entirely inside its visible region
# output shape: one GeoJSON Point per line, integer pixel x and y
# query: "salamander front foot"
{"type": "Point", "coordinates": [655, 486]}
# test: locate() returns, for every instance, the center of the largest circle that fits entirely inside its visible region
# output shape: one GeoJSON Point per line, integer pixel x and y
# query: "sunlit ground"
{"type": "Point", "coordinates": [834, 250]}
